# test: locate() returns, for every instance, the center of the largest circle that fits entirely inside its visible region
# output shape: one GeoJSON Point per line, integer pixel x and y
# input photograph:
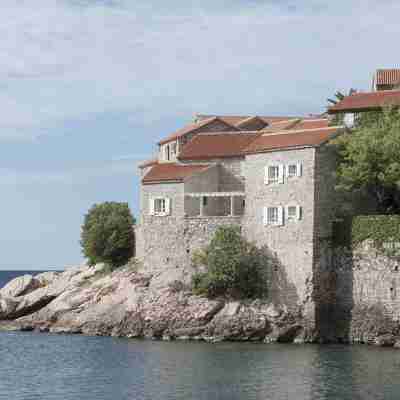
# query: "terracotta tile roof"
{"type": "Point", "coordinates": [387, 76]}
{"type": "Point", "coordinates": [366, 101]}
{"type": "Point", "coordinates": [148, 163]}
{"type": "Point", "coordinates": [219, 145]}
{"type": "Point", "coordinates": [297, 124]}
{"type": "Point", "coordinates": [291, 139]}
{"type": "Point", "coordinates": [192, 128]}
{"type": "Point", "coordinates": [237, 119]}
{"type": "Point", "coordinates": [312, 123]}
{"type": "Point", "coordinates": [281, 125]}
{"type": "Point", "coordinates": [171, 172]}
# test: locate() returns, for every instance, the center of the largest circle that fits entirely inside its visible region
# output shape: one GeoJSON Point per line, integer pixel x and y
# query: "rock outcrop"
{"type": "Point", "coordinates": [135, 304]}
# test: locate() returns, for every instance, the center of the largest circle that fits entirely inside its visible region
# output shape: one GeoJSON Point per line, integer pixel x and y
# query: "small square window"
{"type": "Point", "coordinates": [292, 212]}
{"type": "Point", "coordinates": [159, 206]}
{"type": "Point", "coordinates": [292, 170]}
{"type": "Point", "coordinates": [272, 215]}
{"type": "Point", "coordinates": [273, 173]}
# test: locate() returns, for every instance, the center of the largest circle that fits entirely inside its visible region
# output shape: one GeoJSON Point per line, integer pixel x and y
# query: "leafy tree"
{"type": "Point", "coordinates": [107, 234]}
{"type": "Point", "coordinates": [234, 267]}
{"type": "Point", "coordinates": [370, 158]}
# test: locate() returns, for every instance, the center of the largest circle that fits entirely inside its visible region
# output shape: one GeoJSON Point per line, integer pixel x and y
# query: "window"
{"type": "Point", "coordinates": [293, 170]}
{"type": "Point", "coordinates": [273, 174]}
{"type": "Point", "coordinates": [173, 149]}
{"type": "Point", "coordinates": [160, 206]}
{"type": "Point", "coordinates": [273, 215]}
{"type": "Point", "coordinates": [293, 212]}
{"type": "Point", "coordinates": [167, 153]}
{"type": "Point", "coordinates": [205, 201]}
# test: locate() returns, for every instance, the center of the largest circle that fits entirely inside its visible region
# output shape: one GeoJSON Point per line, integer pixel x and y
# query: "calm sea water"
{"type": "Point", "coordinates": [61, 367]}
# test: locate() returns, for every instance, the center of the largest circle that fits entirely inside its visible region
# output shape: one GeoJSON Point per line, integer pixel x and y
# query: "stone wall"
{"type": "Point", "coordinates": [292, 243]}
{"type": "Point", "coordinates": [159, 241]}
{"type": "Point", "coordinates": [367, 293]}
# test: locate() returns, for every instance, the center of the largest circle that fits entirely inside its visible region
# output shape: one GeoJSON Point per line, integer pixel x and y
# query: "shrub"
{"type": "Point", "coordinates": [234, 267]}
{"type": "Point", "coordinates": [382, 229]}
{"type": "Point", "coordinates": [107, 234]}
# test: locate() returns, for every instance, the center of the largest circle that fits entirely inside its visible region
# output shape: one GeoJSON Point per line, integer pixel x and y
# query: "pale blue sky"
{"type": "Point", "coordinates": [88, 87]}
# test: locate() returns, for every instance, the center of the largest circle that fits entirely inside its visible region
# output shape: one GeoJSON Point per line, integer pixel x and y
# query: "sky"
{"type": "Point", "coordinates": [88, 87]}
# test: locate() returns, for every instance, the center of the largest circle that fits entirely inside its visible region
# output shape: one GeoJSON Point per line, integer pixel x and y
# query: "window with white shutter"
{"type": "Point", "coordinates": [273, 174]}
{"type": "Point", "coordinates": [273, 215]}
{"type": "Point", "coordinates": [160, 206]}
{"type": "Point", "coordinates": [293, 170]}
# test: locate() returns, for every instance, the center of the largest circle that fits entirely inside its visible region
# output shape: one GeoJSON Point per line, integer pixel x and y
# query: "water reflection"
{"type": "Point", "coordinates": [76, 367]}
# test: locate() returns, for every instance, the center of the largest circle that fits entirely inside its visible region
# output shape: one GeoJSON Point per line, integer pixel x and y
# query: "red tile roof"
{"type": "Point", "coordinates": [387, 76]}
{"type": "Point", "coordinates": [171, 172]}
{"type": "Point", "coordinates": [291, 139]}
{"type": "Point", "coordinates": [312, 124]}
{"type": "Point", "coordinates": [237, 119]}
{"type": "Point", "coordinates": [192, 128]}
{"type": "Point", "coordinates": [218, 145]}
{"type": "Point", "coordinates": [367, 101]}
{"type": "Point", "coordinates": [148, 163]}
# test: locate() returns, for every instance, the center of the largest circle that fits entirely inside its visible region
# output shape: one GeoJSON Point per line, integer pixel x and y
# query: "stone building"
{"type": "Point", "coordinates": [273, 177]}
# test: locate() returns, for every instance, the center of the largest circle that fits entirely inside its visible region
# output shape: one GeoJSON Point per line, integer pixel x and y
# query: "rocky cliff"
{"type": "Point", "coordinates": [362, 287]}
{"type": "Point", "coordinates": [133, 304]}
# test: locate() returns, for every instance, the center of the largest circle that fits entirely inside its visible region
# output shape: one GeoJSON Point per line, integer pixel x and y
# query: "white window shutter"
{"type": "Point", "coordinates": [280, 215]}
{"type": "Point", "coordinates": [151, 206]}
{"type": "Point", "coordinates": [287, 171]}
{"type": "Point", "coordinates": [299, 169]}
{"type": "Point", "coordinates": [298, 212]}
{"type": "Point", "coordinates": [281, 173]}
{"type": "Point", "coordinates": [167, 206]}
{"type": "Point", "coordinates": [266, 178]}
{"type": "Point", "coordinates": [265, 215]}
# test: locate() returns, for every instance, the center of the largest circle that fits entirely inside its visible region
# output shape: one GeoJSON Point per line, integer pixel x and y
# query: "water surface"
{"type": "Point", "coordinates": [61, 367]}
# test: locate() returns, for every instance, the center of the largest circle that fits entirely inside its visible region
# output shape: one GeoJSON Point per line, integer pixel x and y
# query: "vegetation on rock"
{"type": "Point", "coordinates": [370, 159]}
{"type": "Point", "coordinates": [233, 266]}
{"type": "Point", "coordinates": [382, 229]}
{"type": "Point", "coordinates": [107, 234]}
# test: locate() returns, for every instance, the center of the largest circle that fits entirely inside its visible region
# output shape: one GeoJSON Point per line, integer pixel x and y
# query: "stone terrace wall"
{"type": "Point", "coordinates": [367, 293]}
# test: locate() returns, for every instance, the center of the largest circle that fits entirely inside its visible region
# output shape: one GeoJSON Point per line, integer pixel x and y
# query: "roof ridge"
{"type": "Point", "coordinates": [290, 131]}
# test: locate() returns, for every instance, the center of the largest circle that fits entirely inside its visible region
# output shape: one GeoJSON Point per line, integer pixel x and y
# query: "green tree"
{"type": "Point", "coordinates": [107, 234]}
{"type": "Point", "coordinates": [233, 266]}
{"type": "Point", "coordinates": [370, 158]}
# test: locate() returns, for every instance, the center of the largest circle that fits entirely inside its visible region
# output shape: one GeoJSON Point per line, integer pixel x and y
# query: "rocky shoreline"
{"type": "Point", "coordinates": [129, 303]}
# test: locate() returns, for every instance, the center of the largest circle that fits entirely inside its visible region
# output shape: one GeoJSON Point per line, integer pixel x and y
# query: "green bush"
{"type": "Point", "coordinates": [380, 228]}
{"type": "Point", "coordinates": [233, 267]}
{"type": "Point", "coordinates": [107, 234]}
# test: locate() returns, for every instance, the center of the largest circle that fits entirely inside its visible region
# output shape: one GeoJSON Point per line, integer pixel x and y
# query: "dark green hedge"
{"type": "Point", "coordinates": [381, 228]}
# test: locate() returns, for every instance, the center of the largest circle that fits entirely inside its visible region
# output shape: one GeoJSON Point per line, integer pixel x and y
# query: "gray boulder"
{"type": "Point", "coordinates": [20, 286]}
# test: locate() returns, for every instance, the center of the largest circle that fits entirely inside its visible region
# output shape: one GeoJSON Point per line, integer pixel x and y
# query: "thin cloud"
{"type": "Point", "coordinates": [64, 60]}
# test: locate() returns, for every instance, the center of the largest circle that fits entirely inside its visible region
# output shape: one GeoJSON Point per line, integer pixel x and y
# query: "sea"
{"type": "Point", "coordinates": [76, 367]}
